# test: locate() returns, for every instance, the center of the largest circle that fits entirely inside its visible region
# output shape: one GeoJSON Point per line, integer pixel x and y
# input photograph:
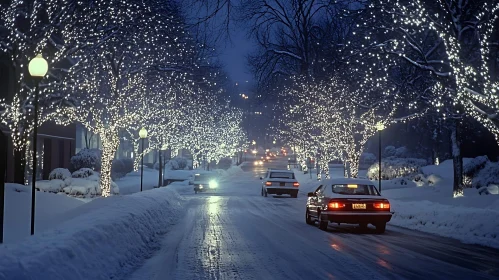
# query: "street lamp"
{"type": "Point", "coordinates": [38, 68]}
{"type": "Point", "coordinates": [143, 136]}
{"type": "Point", "coordinates": [379, 126]}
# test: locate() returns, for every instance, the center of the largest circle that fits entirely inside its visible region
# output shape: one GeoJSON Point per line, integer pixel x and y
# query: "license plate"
{"type": "Point", "coordinates": [282, 184]}
{"type": "Point", "coordinates": [359, 206]}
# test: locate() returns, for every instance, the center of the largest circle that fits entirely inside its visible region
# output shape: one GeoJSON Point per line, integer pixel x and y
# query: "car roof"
{"type": "Point", "coordinates": [343, 181]}
{"type": "Point", "coordinates": [281, 170]}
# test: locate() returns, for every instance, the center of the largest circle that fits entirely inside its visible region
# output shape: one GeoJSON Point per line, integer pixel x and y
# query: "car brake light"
{"type": "Point", "coordinates": [268, 183]}
{"type": "Point", "coordinates": [336, 205]}
{"type": "Point", "coordinates": [382, 205]}
{"type": "Point", "coordinates": [296, 184]}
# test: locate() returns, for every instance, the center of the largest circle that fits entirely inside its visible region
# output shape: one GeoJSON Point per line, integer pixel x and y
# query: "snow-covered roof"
{"type": "Point", "coordinates": [342, 181]}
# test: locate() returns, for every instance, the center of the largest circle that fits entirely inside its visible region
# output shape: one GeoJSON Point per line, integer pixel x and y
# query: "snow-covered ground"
{"type": "Point", "coordinates": [49, 210]}
{"type": "Point", "coordinates": [103, 239]}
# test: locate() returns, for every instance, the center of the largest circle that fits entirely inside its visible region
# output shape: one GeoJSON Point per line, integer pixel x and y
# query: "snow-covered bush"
{"type": "Point", "coordinates": [491, 189]}
{"type": "Point", "coordinates": [121, 167]}
{"type": "Point", "coordinates": [83, 173]}
{"type": "Point", "coordinates": [401, 152]}
{"type": "Point", "coordinates": [471, 169]}
{"type": "Point", "coordinates": [368, 158]}
{"type": "Point", "coordinates": [172, 165]}
{"type": "Point", "coordinates": [489, 174]}
{"type": "Point", "coordinates": [182, 162]}
{"type": "Point", "coordinates": [389, 151]}
{"type": "Point", "coordinates": [87, 158]}
{"type": "Point", "coordinates": [60, 173]}
{"type": "Point", "coordinates": [224, 163]}
{"type": "Point", "coordinates": [392, 168]}
{"type": "Point", "coordinates": [88, 187]}
{"type": "Point", "coordinates": [52, 186]}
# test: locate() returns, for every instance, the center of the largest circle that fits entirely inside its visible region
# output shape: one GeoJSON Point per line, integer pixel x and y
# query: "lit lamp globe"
{"type": "Point", "coordinates": [38, 67]}
{"type": "Point", "coordinates": [380, 126]}
{"type": "Point", "coordinates": [143, 133]}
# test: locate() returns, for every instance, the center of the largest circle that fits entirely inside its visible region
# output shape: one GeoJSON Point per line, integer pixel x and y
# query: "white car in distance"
{"type": "Point", "coordinates": [280, 182]}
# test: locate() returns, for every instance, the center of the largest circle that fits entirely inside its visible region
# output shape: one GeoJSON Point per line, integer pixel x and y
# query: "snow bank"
{"type": "Point", "coordinates": [107, 242]}
{"type": "Point", "coordinates": [467, 224]}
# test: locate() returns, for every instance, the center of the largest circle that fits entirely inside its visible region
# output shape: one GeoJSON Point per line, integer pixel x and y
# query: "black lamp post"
{"type": "Point", "coordinates": [38, 68]}
{"type": "Point", "coordinates": [380, 126]}
{"type": "Point", "coordinates": [143, 136]}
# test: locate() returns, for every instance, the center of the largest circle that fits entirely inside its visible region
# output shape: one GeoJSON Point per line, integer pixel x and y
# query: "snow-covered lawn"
{"type": "Point", "coordinates": [105, 238]}
{"type": "Point", "coordinates": [131, 182]}
{"type": "Point", "coordinates": [49, 210]}
{"type": "Point", "coordinates": [471, 218]}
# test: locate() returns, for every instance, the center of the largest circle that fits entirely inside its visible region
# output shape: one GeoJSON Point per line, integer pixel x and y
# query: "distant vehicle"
{"type": "Point", "coordinates": [176, 176]}
{"type": "Point", "coordinates": [280, 182]}
{"type": "Point", "coordinates": [266, 159]}
{"type": "Point", "coordinates": [204, 181]}
{"type": "Point", "coordinates": [259, 162]}
{"type": "Point", "coordinates": [349, 201]}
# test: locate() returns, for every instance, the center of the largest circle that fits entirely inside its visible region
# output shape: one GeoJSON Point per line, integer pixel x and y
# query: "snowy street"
{"type": "Point", "coordinates": [237, 234]}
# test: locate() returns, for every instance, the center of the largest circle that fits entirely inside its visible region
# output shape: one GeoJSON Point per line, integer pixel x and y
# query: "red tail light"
{"type": "Point", "coordinates": [296, 184]}
{"type": "Point", "coordinates": [382, 205]}
{"type": "Point", "coordinates": [268, 183]}
{"type": "Point", "coordinates": [335, 205]}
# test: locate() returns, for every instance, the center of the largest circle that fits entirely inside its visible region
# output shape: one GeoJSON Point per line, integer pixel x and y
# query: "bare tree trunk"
{"type": "Point", "coordinates": [19, 165]}
{"type": "Point", "coordinates": [457, 160]}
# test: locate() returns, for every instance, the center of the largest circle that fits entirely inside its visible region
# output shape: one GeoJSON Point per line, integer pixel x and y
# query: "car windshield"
{"type": "Point", "coordinates": [283, 175]}
{"type": "Point", "coordinates": [354, 189]}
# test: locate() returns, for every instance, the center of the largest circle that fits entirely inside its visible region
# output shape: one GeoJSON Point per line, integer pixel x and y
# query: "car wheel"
{"type": "Point", "coordinates": [308, 219]}
{"type": "Point", "coordinates": [380, 228]}
{"type": "Point", "coordinates": [265, 193]}
{"type": "Point", "coordinates": [322, 224]}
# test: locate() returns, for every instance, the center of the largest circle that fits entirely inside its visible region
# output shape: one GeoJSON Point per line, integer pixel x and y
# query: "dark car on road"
{"type": "Point", "coordinates": [349, 201]}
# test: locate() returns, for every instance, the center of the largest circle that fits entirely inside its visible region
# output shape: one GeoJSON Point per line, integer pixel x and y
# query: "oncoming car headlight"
{"type": "Point", "coordinates": [213, 184]}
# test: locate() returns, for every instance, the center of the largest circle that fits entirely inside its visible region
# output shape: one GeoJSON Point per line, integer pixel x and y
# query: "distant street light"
{"type": "Point", "coordinates": [143, 136]}
{"type": "Point", "coordinates": [38, 68]}
{"type": "Point", "coordinates": [380, 126]}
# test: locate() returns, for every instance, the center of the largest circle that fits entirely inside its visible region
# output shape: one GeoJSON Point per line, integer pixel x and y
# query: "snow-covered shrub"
{"type": "Point", "coordinates": [420, 180]}
{"type": "Point", "coordinates": [392, 168]}
{"type": "Point", "coordinates": [121, 167]}
{"type": "Point", "coordinates": [182, 162]}
{"type": "Point", "coordinates": [52, 186]}
{"type": "Point", "coordinates": [491, 189]}
{"type": "Point", "coordinates": [60, 173]}
{"type": "Point", "coordinates": [172, 165]}
{"type": "Point", "coordinates": [368, 158]}
{"type": "Point", "coordinates": [401, 152]}
{"type": "Point", "coordinates": [471, 169]}
{"type": "Point", "coordinates": [433, 179]}
{"type": "Point", "coordinates": [224, 163]}
{"type": "Point", "coordinates": [487, 175]}
{"type": "Point", "coordinates": [88, 187]}
{"type": "Point", "coordinates": [83, 173]}
{"type": "Point", "coordinates": [389, 151]}
{"type": "Point", "coordinates": [87, 158]}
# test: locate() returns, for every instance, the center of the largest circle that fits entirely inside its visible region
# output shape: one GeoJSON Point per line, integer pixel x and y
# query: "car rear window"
{"type": "Point", "coordinates": [203, 177]}
{"type": "Point", "coordinates": [354, 189]}
{"type": "Point", "coordinates": [282, 175]}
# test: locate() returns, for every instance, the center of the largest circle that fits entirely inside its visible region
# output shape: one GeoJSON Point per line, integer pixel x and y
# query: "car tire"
{"type": "Point", "coordinates": [322, 224]}
{"type": "Point", "coordinates": [265, 193]}
{"type": "Point", "coordinates": [308, 219]}
{"type": "Point", "coordinates": [380, 228]}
